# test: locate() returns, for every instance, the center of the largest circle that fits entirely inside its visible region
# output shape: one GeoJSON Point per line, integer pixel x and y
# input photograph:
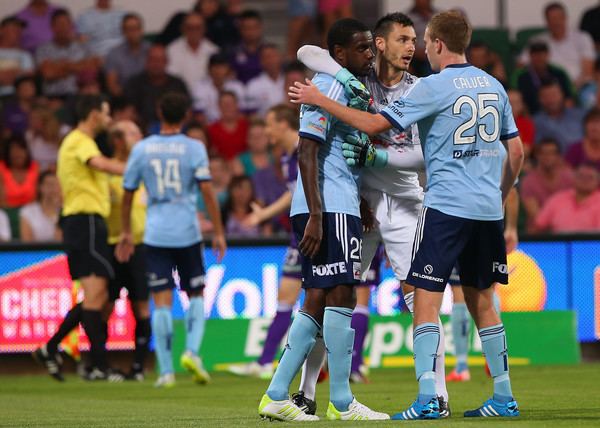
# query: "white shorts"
{"type": "Point", "coordinates": [395, 226]}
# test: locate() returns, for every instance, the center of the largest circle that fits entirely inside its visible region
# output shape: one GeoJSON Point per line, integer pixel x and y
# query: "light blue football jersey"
{"type": "Point", "coordinates": [338, 183]}
{"type": "Point", "coordinates": [462, 113]}
{"type": "Point", "coordinates": [170, 166]}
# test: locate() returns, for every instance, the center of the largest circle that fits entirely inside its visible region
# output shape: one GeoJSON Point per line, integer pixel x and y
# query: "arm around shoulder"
{"type": "Point", "coordinates": [108, 165]}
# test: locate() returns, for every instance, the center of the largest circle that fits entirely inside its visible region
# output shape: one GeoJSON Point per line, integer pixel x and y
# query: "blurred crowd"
{"type": "Point", "coordinates": [217, 54]}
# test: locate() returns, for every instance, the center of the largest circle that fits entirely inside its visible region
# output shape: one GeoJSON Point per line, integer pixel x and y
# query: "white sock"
{"type": "Point", "coordinates": [440, 366]}
{"type": "Point", "coordinates": [318, 59]}
{"type": "Point", "coordinates": [312, 367]}
{"type": "Point", "coordinates": [408, 301]}
{"type": "Point", "coordinates": [440, 362]}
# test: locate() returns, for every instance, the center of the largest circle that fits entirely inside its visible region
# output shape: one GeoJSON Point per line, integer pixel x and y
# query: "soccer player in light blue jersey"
{"type": "Point", "coordinates": [473, 155]}
{"type": "Point", "coordinates": [326, 222]}
{"type": "Point", "coordinates": [171, 166]}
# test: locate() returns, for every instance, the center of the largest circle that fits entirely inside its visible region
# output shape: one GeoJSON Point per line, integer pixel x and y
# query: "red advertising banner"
{"type": "Point", "coordinates": [34, 300]}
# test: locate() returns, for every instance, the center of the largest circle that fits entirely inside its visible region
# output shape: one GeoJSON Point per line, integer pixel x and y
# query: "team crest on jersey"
{"type": "Point", "coordinates": [320, 125]}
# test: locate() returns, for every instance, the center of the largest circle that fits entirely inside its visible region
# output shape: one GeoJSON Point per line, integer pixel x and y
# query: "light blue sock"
{"type": "Point", "coordinates": [493, 344]}
{"type": "Point", "coordinates": [426, 338]}
{"type": "Point", "coordinates": [162, 328]}
{"type": "Point", "coordinates": [194, 322]}
{"type": "Point", "coordinates": [496, 302]}
{"type": "Point", "coordinates": [300, 342]}
{"type": "Point", "coordinates": [461, 321]}
{"type": "Point", "coordinates": [339, 340]}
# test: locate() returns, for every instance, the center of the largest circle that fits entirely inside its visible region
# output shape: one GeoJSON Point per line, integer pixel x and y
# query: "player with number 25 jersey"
{"type": "Point", "coordinates": [462, 114]}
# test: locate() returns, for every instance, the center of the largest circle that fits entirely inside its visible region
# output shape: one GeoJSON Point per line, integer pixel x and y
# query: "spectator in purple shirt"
{"type": "Point", "coordinates": [588, 150]}
{"type": "Point", "coordinates": [15, 113]}
{"type": "Point", "coordinates": [37, 14]}
{"type": "Point", "coordinates": [245, 58]}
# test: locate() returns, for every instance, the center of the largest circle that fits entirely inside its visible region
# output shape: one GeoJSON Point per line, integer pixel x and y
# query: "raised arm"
{"type": "Point", "coordinates": [318, 60]}
{"type": "Point", "coordinates": [366, 122]}
{"type": "Point", "coordinates": [108, 165]}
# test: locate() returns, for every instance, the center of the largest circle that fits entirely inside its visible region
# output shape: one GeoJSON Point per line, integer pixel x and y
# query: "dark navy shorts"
{"type": "Point", "coordinates": [443, 240]}
{"type": "Point", "coordinates": [338, 259]}
{"type": "Point", "coordinates": [131, 275]}
{"type": "Point", "coordinates": [454, 280]}
{"type": "Point", "coordinates": [189, 262]}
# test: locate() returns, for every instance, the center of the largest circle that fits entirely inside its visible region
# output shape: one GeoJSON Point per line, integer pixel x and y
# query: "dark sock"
{"type": "Point", "coordinates": [104, 332]}
{"type": "Point", "coordinates": [142, 338]}
{"type": "Point", "coordinates": [71, 321]}
{"type": "Point", "coordinates": [96, 333]}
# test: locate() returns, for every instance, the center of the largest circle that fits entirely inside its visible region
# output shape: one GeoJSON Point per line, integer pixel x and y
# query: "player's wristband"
{"type": "Point", "coordinates": [381, 159]}
{"type": "Point", "coordinates": [371, 157]}
{"type": "Point", "coordinates": [343, 76]}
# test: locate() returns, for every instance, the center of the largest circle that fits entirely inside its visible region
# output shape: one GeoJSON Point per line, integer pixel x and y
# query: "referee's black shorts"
{"type": "Point", "coordinates": [131, 275]}
{"type": "Point", "coordinates": [85, 237]}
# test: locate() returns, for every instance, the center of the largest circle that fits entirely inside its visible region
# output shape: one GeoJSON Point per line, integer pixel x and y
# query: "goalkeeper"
{"type": "Point", "coordinates": [391, 160]}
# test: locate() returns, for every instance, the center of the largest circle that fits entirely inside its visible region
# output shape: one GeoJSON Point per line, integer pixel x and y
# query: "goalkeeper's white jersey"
{"type": "Point", "coordinates": [391, 180]}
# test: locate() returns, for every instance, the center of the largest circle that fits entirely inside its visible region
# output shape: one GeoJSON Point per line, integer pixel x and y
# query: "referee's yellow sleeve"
{"type": "Point", "coordinates": [86, 149]}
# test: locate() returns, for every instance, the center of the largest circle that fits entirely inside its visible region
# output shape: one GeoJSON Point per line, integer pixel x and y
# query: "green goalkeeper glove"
{"type": "Point", "coordinates": [359, 151]}
{"type": "Point", "coordinates": [358, 94]}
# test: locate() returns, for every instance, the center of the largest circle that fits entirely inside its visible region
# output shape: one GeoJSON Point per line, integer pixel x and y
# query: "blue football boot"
{"type": "Point", "coordinates": [430, 410]}
{"type": "Point", "coordinates": [492, 409]}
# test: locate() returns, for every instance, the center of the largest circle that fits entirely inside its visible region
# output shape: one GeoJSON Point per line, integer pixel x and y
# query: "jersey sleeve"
{"type": "Point", "coordinates": [133, 170]}
{"type": "Point", "coordinates": [419, 102]}
{"type": "Point", "coordinates": [200, 162]}
{"type": "Point", "coordinates": [411, 160]}
{"type": "Point", "coordinates": [86, 149]}
{"type": "Point", "coordinates": [314, 121]}
{"type": "Point", "coordinates": [508, 129]}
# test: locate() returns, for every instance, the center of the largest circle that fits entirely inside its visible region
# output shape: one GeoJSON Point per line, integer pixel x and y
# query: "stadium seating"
{"type": "Point", "coordinates": [523, 36]}
{"type": "Point", "coordinates": [498, 41]}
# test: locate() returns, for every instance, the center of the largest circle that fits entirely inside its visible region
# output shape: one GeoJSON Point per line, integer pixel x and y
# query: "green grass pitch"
{"type": "Point", "coordinates": [551, 396]}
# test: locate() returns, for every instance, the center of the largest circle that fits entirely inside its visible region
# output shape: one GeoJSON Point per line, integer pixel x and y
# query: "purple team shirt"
{"type": "Point", "coordinates": [38, 30]}
{"type": "Point", "coordinates": [289, 164]}
{"type": "Point", "coordinates": [245, 64]}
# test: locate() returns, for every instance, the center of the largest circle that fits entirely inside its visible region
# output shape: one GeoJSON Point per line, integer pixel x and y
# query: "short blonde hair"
{"type": "Point", "coordinates": [452, 28]}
